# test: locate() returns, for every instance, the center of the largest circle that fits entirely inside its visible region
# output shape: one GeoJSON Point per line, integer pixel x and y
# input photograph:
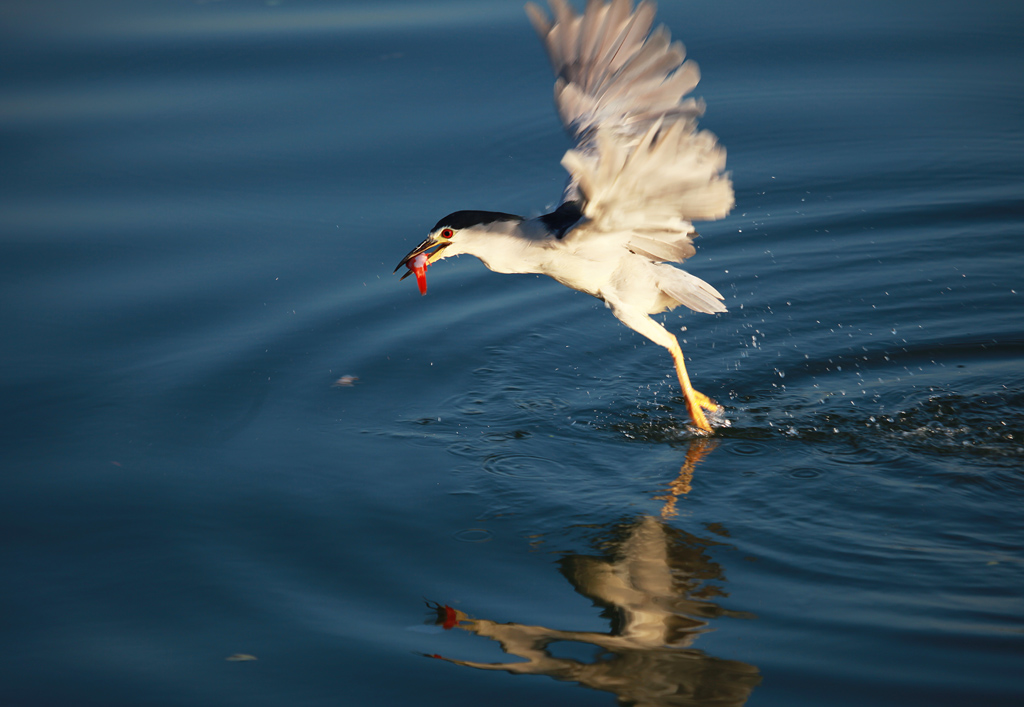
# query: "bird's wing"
{"type": "Point", "coordinates": [640, 165]}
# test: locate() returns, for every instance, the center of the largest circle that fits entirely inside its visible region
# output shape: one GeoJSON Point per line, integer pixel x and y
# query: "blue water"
{"type": "Point", "coordinates": [200, 208]}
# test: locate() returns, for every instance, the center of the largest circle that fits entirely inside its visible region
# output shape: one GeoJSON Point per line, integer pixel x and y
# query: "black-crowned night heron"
{"type": "Point", "coordinates": [641, 171]}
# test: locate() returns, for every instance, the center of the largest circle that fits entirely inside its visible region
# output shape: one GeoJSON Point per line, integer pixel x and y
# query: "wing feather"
{"type": "Point", "coordinates": [640, 166]}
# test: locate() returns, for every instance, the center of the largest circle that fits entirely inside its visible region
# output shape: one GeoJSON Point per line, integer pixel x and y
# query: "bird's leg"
{"type": "Point", "coordinates": [696, 402]}
{"type": "Point", "coordinates": [638, 321]}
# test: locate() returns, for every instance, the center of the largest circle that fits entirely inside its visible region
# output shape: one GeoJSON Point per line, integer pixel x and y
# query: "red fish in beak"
{"type": "Point", "coordinates": [418, 265]}
{"type": "Point", "coordinates": [420, 258]}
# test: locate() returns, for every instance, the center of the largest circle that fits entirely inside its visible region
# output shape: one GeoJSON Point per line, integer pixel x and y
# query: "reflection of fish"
{"type": "Point", "coordinates": [651, 583]}
{"type": "Point", "coordinates": [447, 617]}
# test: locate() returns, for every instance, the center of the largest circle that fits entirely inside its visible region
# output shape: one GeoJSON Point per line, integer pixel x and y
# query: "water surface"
{"type": "Point", "coordinates": [200, 208]}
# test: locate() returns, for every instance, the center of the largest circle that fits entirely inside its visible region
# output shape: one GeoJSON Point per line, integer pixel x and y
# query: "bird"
{"type": "Point", "coordinates": [640, 172]}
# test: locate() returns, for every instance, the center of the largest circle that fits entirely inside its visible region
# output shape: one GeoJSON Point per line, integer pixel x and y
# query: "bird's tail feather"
{"type": "Point", "coordinates": [689, 290]}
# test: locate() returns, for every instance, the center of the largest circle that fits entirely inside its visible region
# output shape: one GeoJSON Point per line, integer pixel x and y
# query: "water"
{"type": "Point", "coordinates": [200, 208]}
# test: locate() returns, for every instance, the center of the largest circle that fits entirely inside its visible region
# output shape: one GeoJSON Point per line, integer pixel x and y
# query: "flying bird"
{"type": "Point", "coordinates": [640, 173]}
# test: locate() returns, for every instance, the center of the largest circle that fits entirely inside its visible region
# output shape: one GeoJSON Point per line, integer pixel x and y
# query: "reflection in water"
{"type": "Point", "coordinates": [651, 581]}
{"type": "Point", "coordinates": [695, 453]}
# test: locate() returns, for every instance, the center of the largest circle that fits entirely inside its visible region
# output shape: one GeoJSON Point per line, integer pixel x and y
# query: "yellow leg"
{"type": "Point", "coordinates": [639, 322]}
{"type": "Point", "coordinates": [696, 403]}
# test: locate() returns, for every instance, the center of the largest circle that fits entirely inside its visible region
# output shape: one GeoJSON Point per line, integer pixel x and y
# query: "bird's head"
{"type": "Point", "coordinates": [455, 234]}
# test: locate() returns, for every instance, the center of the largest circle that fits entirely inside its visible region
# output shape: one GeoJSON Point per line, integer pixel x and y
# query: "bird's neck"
{"type": "Point", "coordinates": [508, 246]}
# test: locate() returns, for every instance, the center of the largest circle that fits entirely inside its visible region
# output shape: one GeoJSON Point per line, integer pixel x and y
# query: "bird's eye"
{"type": "Point", "coordinates": [447, 233]}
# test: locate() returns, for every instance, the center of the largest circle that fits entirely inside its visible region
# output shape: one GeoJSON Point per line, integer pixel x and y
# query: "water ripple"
{"type": "Point", "coordinates": [523, 465]}
{"type": "Point", "coordinates": [474, 535]}
{"type": "Point", "coordinates": [804, 473]}
{"type": "Point", "coordinates": [747, 449]}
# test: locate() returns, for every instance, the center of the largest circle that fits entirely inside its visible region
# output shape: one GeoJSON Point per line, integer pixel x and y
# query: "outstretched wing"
{"type": "Point", "coordinates": [640, 165]}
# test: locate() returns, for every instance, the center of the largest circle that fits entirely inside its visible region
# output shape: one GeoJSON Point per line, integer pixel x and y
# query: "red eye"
{"type": "Point", "coordinates": [447, 233]}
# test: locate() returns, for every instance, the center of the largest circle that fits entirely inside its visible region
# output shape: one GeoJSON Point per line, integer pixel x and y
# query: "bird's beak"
{"type": "Point", "coordinates": [424, 247]}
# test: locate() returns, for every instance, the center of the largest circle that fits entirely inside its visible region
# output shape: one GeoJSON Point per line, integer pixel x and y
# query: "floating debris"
{"type": "Point", "coordinates": [345, 382]}
{"type": "Point", "coordinates": [239, 657]}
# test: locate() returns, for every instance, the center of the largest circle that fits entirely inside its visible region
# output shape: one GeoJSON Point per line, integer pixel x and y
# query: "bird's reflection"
{"type": "Point", "coordinates": [699, 448]}
{"type": "Point", "coordinates": [656, 585]}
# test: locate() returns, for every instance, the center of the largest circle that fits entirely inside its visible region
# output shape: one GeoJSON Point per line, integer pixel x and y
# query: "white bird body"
{"type": "Point", "coordinates": [587, 260]}
{"type": "Point", "coordinates": [639, 174]}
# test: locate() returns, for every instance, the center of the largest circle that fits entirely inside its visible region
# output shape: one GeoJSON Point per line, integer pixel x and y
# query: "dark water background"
{"type": "Point", "coordinates": [200, 208]}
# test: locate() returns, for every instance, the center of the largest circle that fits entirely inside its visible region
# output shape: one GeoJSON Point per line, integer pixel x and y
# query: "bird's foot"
{"type": "Point", "coordinates": [697, 404]}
